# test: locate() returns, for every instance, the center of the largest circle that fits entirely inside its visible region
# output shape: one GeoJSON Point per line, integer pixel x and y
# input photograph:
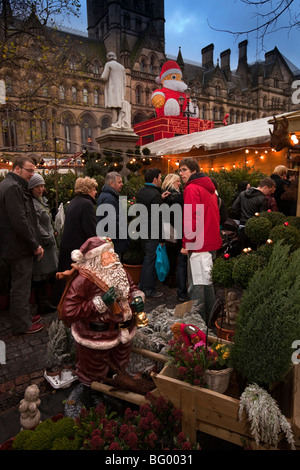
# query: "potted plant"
{"type": "Point", "coordinates": [133, 260]}
{"type": "Point", "coordinates": [201, 365]}
{"type": "Point", "coordinates": [60, 355]}
{"type": "Point", "coordinates": [221, 274]}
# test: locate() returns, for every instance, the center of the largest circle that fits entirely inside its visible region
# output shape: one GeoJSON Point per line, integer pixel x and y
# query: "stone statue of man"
{"type": "Point", "coordinates": [114, 77]}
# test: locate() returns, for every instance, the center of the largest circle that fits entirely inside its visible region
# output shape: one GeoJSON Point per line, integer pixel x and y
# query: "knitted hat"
{"type": "Point", "coordinates": [35, 180]}
{"type": "Point", "coordinates": [92, 247]}
{"type": "Point", "coordinates": [169, 67]}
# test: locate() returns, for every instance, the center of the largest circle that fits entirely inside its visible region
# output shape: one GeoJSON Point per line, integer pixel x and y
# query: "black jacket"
{"type": "Point", "coordinates": [150, 195]}
{"type": "Point", "coordinates": [248, 203]}
{"type": "Point", "coordinates": [111, 196]}
{"type": "Point", "coordinates": [281, 185]}
{"type": "Point", "coordinates": [19, 235]}
{"type": "Point", "coordinates": [80, 224]}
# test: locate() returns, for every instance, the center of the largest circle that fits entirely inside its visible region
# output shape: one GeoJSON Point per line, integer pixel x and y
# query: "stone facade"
{"type": "Point", "coordinates": [66, 111]}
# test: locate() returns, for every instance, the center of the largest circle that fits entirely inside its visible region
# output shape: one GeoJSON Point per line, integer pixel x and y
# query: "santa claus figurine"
{"type": "Point", "coordinates": [101, 305]}
{"type": "Point", "coordinates": [165, 100]}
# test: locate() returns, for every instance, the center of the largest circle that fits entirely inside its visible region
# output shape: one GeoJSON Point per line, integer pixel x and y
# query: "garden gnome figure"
{"type": "Point", "coordinates": [114, 77]}
{"type": "Point", "coordinates": [30, 415]}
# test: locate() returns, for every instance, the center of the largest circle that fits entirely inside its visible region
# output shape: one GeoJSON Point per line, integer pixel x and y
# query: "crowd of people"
{"type": "Point", "coordinates": [28, 239]}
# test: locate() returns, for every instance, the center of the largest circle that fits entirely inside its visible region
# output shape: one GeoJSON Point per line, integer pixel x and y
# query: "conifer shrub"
{"type": "Point", "coordinates": [269, 319]}
{"type": "Point", "coordinates": [257, 229]}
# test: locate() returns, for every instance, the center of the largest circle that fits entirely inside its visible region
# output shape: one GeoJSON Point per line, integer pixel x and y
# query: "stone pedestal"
{"type": "Point", "coordinates": [117, 138]}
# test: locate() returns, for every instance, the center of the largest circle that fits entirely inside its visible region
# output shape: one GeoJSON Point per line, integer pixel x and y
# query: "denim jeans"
{"type": "Point", "coordinates": [148, 274]}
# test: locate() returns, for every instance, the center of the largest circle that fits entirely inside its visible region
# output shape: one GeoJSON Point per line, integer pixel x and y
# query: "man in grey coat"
{"type": "Point", "coordinates": [19, 242]}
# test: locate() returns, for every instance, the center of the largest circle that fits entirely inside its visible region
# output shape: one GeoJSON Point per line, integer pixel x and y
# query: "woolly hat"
{"type": "Point", "coordinates": [92, 247]}
{"type": "Point", "coordinates": [35, 180]}
{"type": "Point", "coordinates": [169, 67]}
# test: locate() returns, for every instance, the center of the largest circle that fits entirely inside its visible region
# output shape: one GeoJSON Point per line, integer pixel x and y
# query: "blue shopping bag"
{"type": "Point", "coordinates": [162, 264]}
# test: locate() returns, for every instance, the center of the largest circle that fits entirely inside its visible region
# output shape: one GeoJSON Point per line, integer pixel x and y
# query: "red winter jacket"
{"type": "Point", "coordinates": [201, 225]}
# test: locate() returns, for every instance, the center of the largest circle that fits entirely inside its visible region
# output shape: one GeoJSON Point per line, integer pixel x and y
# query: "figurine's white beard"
{"type": "Point", "coordinates": [175, 85]}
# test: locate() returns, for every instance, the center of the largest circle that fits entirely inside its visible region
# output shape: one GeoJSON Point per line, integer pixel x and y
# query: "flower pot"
{"type": "Point", "coordinates": [218, 380]}
{"type": "Point", "coordinates": [226, 331]}
{"type": "Point", "coordinates": [134, 271]}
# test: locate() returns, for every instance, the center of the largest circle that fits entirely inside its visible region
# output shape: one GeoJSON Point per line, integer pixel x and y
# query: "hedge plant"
{"type": "Point", "coordinates": [269, 319]}
{"type": "Point", "coordinates": [257, 229]}
{"type": "Point", "coordinates": [288, 234]}
{"type": "Point", "coordinates": [245, 266]}
{"type": "Point", "coordinates": [274, 217]}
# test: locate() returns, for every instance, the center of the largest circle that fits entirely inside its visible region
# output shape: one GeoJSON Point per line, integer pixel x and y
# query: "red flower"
{"type": "Point", "coordinates": [114, 446]}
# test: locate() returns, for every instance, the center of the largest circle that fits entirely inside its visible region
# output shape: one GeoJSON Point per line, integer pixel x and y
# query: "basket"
{"type": "Point", "coordinates": [218, 380]}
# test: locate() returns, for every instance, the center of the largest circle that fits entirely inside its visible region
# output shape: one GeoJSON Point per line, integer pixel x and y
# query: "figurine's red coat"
{"type": "Point", "coordinates": [96, 349]}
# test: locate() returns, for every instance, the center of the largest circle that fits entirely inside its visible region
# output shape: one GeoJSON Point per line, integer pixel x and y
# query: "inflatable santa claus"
{"type": "Point", "coordinates": [165, 99]}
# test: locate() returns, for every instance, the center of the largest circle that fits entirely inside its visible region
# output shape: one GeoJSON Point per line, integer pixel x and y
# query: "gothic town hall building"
{"type": "Point", "coordinates": [54, 99]}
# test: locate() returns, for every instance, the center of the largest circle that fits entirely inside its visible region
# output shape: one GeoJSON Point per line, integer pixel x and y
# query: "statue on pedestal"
{"type": "Point", "coordinates": [114, 77]}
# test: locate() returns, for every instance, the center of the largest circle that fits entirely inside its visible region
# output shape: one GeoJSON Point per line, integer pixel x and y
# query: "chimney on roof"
{"type": "Point", "coordinates": [208, 56]}
{"type": "Point", "coordinates": [225, 63]}
{"type": "Point", "coordinates": [243, 51]}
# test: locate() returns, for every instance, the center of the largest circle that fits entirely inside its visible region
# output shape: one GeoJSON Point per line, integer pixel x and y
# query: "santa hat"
{"type": "Point", "coordinates": [169, 67]}
{"type": "Point", "coordinates": [92, 247]}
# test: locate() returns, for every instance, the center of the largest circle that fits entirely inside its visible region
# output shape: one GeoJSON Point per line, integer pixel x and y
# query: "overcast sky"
{"type": "Point", "coordinates": [187, 26]}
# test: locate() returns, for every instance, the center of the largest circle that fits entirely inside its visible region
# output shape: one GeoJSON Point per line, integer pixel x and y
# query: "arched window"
{"type": "Point", "coordinates": [8, 84]}
{"type": "Point", "coordinates": [142, 65]}
{"type": "Point", "coordinates": [73, 62]}
{"type": "Point", "coordinates": [62, 92]}
{"type": "Point", "coordinates": [152, 65]}
{"type": "Point", "coordinates": [44, 133]}
{"type": "Point", "coordinates": [105, 122]}
{"type": "Point", "coordinates": [96, 97]}
{"type": "Point", "coordinates": [67, 137]}
{"type": "Point", "coordinates": [96, 67]}
{"type": "Point", "coordinates": [138, 94]}
{"type": "Point", "coordinates": [86, 133]}
{"type": "Point", "coordinates": [85, 94]}
{"type": "Point", "coordinates": [9, 133]}
{"type": "Point", "coordinates": [74, 94]}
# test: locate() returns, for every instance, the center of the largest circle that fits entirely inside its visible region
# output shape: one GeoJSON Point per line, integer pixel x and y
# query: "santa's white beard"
{"type": "Point", "coordinates": [175, 85]}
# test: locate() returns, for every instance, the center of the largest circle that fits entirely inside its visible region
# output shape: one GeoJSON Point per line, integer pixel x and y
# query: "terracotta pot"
{"type": "Point", "coordinates": [224, 333]}
{"type": "Point", "coordinates": [134, 271]}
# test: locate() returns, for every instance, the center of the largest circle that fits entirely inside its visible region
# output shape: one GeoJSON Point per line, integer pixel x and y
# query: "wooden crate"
{"type": "Point", "coordinates": [211, 412]}
{"type": "Point", "coordinates": [215, 413]}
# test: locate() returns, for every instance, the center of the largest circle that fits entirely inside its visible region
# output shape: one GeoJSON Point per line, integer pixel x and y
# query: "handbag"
{"type": "Point", "coordinates": [162, 264]}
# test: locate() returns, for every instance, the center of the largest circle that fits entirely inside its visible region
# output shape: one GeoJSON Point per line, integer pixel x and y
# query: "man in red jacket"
{"type": "Point", "coordinates": [201, 232]}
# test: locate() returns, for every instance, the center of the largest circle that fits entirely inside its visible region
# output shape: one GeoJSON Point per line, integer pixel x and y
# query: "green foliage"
{"type": "Point", "coordinates": [265, 250]}
{"type": "Point", "coordinates": [222, 270]}
{"type": "Point", "coordinates": [269, 319]}
{"type": "Point", "coordinates": [228, 181]}
{"type": "Point", "coordinates": [132, 186]}
{"type": "Point", "coordinates": [257, 229]}
{"type": "Point", "coordinates": [46, 434]}
{"type": "Point", "coordinates": [61, 346]}
{"type": "Point", "coordinates": [245, 266]}
{"type": "Point", "coordinates": [288, 234]}
{"type": "Point", "coordinates": [65, 188]}
{"type": "Point", "coordinates": [274, 217]}
{"type": "Point", "coordinates": [294, 221]}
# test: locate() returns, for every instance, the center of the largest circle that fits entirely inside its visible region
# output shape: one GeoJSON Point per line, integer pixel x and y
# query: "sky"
{"type": "Point", "coordinates": [193, 24]}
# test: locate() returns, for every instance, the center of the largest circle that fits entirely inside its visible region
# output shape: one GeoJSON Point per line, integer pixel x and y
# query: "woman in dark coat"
{"type": "Point", "coordinates": [80, 224]}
